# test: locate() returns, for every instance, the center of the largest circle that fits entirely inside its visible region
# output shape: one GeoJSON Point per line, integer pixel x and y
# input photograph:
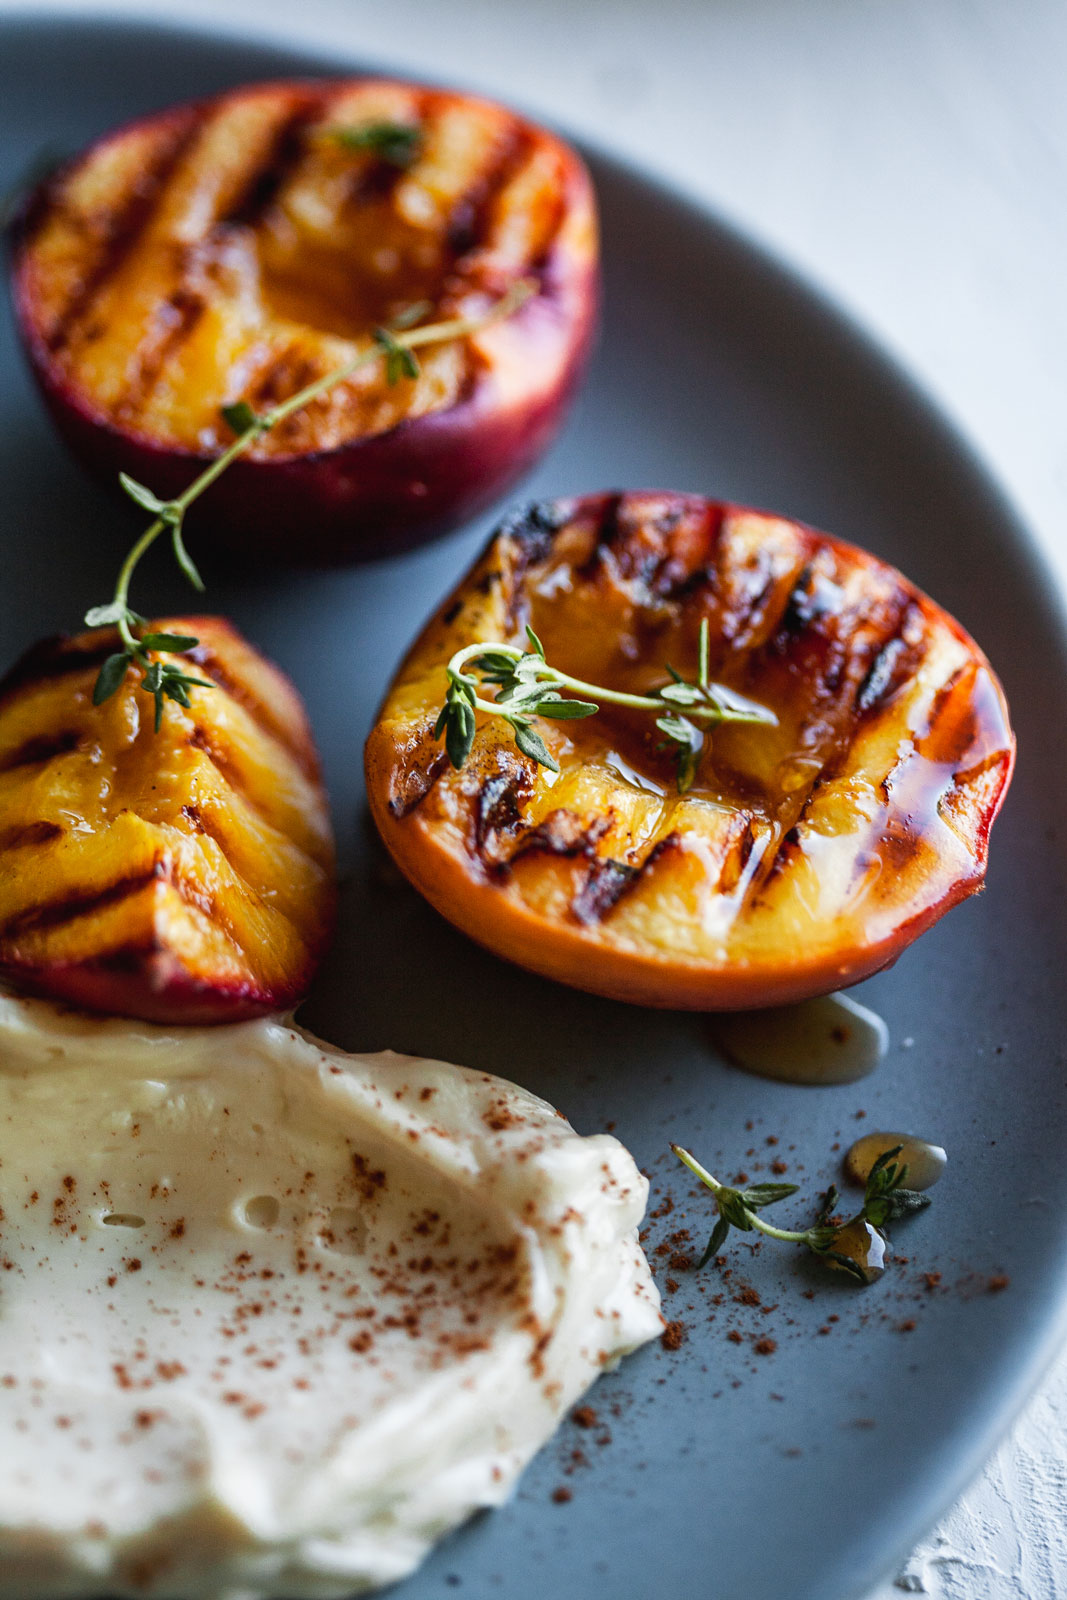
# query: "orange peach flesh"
{"type": "Point", "coordinates": [236, 249]}
{"type": "Point", "coordinates": [805, 857]}
{"type": "Point", "coordinates": [181, 876]}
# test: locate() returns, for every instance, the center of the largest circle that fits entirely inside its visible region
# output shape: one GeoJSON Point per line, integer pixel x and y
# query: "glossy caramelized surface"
{"type": "Point", "coordinates": [184, 875]}
{"type": "Point", "coordinates": [237, 248]}
{"type": "Point", "coordinates": [805, 856]}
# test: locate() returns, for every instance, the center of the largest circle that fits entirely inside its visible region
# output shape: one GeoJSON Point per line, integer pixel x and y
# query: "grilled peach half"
{"type": "Point", "coordinates": [183, 876]}
{"type": "Point", "coordinates": [806, 854]}
{"type": "Point", "coordinates": [240, 247]}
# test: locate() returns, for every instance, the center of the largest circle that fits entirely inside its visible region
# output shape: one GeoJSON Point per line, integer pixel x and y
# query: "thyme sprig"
{"type": "Point", "coordinates": [399, 144]}
{"type": "Point", "coordinates": [886, 1198]}
{"type": "Point", "coordinates": [527, 686]}
{"type": "Point", "coordinates": [167, 680]}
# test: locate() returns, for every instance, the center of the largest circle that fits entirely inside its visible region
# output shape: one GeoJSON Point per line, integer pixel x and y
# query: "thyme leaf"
{"type": "Point", "coordinates": [399, 361]}
{"type": "Point", "coordinates": [399, 144]}
{"type": "Point", "coordinates": [110, 677]}
{"type": "Point", "coordinates": [240, 417]}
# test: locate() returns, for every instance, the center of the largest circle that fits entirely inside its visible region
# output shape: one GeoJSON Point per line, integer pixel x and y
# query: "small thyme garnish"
{"type": "Point", "coordinates": [167, 680]}
{"type": "Point", "coordinates": [527, 686]}
{"type": "Point", "coordinates": [885, 1199]}
{"type": "Point", "coordinates": [397, 143]}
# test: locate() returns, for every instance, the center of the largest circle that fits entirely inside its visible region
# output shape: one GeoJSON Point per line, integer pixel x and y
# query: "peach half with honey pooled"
{"type": "Point", "coordinates": [213, 259]}
{"type": "Point", "coordinates": [779, 765]}
{"type": "Point", "coordinates": [179, 873]}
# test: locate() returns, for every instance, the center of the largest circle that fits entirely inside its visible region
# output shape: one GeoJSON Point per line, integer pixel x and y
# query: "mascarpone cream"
{"type": "Point", "coordinates": [274, 1317]}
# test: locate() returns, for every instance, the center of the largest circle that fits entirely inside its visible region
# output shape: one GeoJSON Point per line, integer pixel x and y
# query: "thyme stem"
{"type": "Point", "coordinates": [790, 1235]}
{"type": "Point", "coordinates": [527, 686]}
{"type": "Point", "coordinates": [387, 345]}
{"type": "Point", "coordinates": [615, 697]}
{"type": "Point", "coordinates": [407, 339]}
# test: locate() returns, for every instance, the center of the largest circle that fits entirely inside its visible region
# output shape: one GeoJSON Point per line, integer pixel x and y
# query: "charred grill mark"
{"type": "Point", "coordinates": [852, 667]}
{"type": "Point", "coordinates": [609, 521]}
{"type": "Point", "coordinates": [680, 575]}
{"type": "Point", "coordinates": [130, 959]}
{"type": "Point", "coordinates": [212, 664]}
{"type": "Point", "coordinates": [605, 535]}
{"type": "Point", "coordinates": [604, 887]}
{"type": "Point", "coordinates": [794, 626]}
{"type": "Point", "coordinates": [666, 552]}
{"type": "Point", "coordinates": [835, 643]}
{"type": "Point", "coordinates": [809, 632]}
{"type": "Point", "coordinates": [545, 267]}
{"type": "Point", "coordinates": [287, 371]}
{"type": "Point", "coordinates": [172, 323]}
{"type": "Point", "coordinates": [32, 833]}
{"type": "Point", "coordinates": [737, 860]}
{"type": "Point", "coordinates": [471, 214]}
{"type": "Point", "coordinates": [374, 183]}
{"type": "Point", "coordinates": [44, 190]}
{"type": "Point", "coordinates": [218, 911]}
{"type": "Point", "coordinates": [748, 623]}
{"type": "Point", "coordinates": [124, 228]}
{"type": "Point", "coordinates": [788, 849]}
{"type": "Point", "coordinates": [532, 528]}
{"type": "Point", "coordinates": [415, 784]}
{"type": "Point", "coordinates": [849, 663]}
{"type": "Point", "coordinates": [42, 747]}
{"type": "Point", "coordinates": [800, 610]}
{"type": "Point", "coordinates": [200, 739]}
{"type": "Point", "coordinates": [527, 535]}
{"type": "Point", "coordinates": [72, 907]}
{"type": "Point", "coordinates": [55, 658]}
{"type": "Point", "coordinates": [205, 902]}
{"type": "Point", "coordinates": [620, 879]}
{"type": "Point", "coordinates": [895, 661]}
{"type": "Point", "coordinates": [883, 676]}
{"type": "Point", "coordinates": [689, 558]}
{"type": "Point", "coordinates": [669, 845]}
{"type": "Point", "coordinates": [563, 833]}
{"type": "Point", "coordinates": [265, 181]}
{"type": "Point", "coordinates": [497, 812]}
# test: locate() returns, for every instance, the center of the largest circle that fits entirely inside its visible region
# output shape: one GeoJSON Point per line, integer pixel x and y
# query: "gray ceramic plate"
{"type": "Point", "coordinates": [806, 1472]}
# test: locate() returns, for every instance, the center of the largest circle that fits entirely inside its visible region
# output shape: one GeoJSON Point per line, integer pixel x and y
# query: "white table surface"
{"type": "Point", "coordinates": [909, 156]}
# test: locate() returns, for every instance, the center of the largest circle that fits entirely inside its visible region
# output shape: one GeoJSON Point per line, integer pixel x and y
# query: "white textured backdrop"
{"type": "Point", "coordinates": [910, 156]}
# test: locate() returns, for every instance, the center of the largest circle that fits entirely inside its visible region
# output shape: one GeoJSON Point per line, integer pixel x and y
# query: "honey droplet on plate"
{"type": "Point", "coordinates": [829, 1040]}
{"type": "Point", "coordinates": [864, 1246]}
{"type": "Point", "coordinates": [925, 1162]}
